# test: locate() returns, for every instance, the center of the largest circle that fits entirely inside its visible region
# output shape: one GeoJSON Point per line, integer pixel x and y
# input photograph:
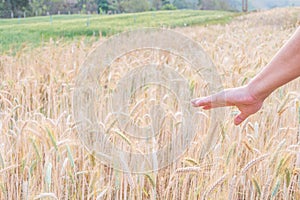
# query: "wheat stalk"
{"type": "Point", "coordinates": [253, 162]}
{"type": "Point", "coordinates": [214, 186]}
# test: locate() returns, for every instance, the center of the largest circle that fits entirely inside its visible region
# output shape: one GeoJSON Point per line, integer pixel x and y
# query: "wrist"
{"type": "Point", "coordinates": [257, 91]}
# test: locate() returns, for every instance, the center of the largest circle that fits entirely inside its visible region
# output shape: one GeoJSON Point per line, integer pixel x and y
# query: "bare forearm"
{"type": "Point", "coordinates": [284, 67]}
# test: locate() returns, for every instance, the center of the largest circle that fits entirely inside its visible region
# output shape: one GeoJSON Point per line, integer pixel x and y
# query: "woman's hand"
{"type": "Point", "coordinates": [240, 97]}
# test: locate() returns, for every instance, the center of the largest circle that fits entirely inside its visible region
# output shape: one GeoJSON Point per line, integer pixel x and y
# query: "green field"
{"type": "Point", "coordinates": [31, 32]}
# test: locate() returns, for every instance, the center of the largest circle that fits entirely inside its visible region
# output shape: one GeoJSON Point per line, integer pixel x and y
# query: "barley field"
{"type": "Point", "coordinates": [41, 156]}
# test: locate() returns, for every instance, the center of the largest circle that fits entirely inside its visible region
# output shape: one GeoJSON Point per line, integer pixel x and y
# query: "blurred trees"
{"type": "Point", "coordinates": [165, 2]}
{"type": "Point", "coordinates": [181, 4]}
{"type": "Point", "coordinates": [186, 4]}
{"type": "Point", "coordinates": [49, 7]}
{"type": "Point", "coordinates": [103, 6]}
{"type": "Point", "coordinates": [19, 8]}
{"type": "Point", "coordinates": [214, 4]}
{"type": "Point", "coordinates": [135, 6]}
{"type": "Point", "coordinates": [13, 6]}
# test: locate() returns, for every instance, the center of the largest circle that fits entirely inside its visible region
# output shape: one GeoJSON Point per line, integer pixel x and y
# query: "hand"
{"type": "Point", "coordinates": [240, 97]}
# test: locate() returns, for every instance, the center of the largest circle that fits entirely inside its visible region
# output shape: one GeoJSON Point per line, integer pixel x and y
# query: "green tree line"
{"type": "Point", "coordinates": [21, 8]}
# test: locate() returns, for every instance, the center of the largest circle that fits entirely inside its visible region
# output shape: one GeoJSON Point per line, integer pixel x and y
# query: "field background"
{"type": "Point", "coordinates": [42, 157]}
{"type": "Point", "coordinates": [34, 31]}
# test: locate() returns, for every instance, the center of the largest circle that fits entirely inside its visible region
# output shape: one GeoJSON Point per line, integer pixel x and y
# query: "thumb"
{"type": "Point", "coordinates": [240, 118]}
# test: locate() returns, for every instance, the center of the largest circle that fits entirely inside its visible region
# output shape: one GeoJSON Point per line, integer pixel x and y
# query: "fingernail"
{"type": "Point", "coordinates": [194, 101]}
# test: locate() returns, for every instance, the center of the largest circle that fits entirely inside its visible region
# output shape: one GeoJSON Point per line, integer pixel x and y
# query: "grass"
{"type": "Point", "coordinates": [41, 156]}
{"type": "Point", "coordinates": [36, 30]}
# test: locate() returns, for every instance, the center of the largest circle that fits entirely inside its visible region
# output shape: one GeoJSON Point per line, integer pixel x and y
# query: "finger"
{"type": "Point", "coordinates": [205, 101]}
{"type": "Point", "coordinates": [206, 107]}
{"type": "Point", "coordinates": [214, 101]}
{"type": "Point", "coordinates": [240, 118]}
{"type": "Point", "coordinates": [218, 100]}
